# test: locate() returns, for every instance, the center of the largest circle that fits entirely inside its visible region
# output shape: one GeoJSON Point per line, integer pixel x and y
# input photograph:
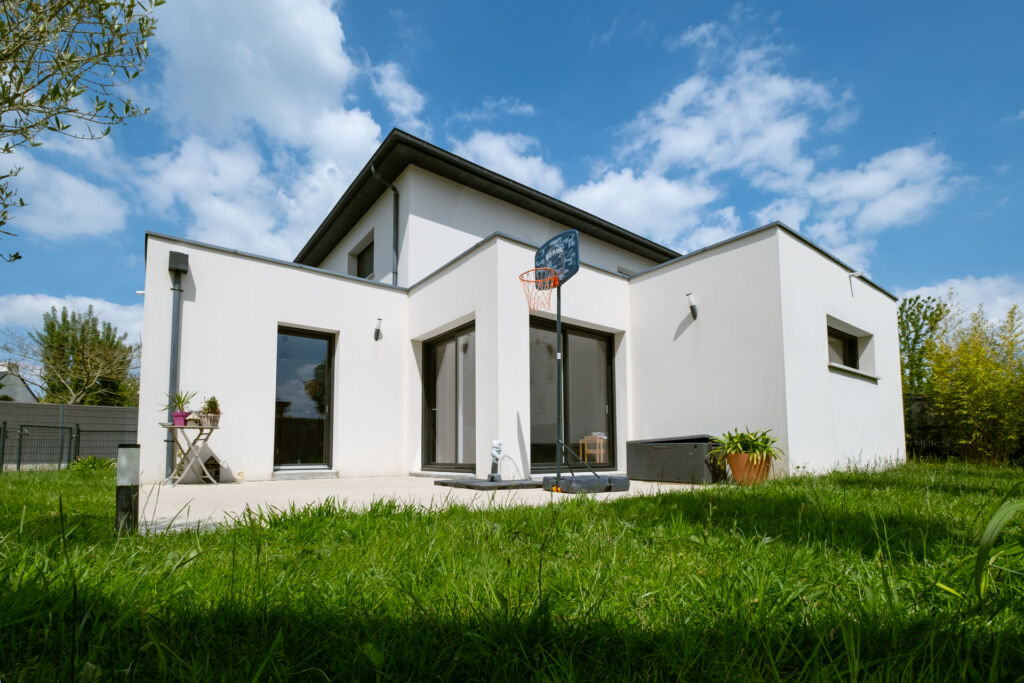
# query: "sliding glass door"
{"type": "Point", "coordinates": [588, 408]}
{"type": "Point", "coordinates": [449, 418]}
{"type": "Point", "coordinates": [303, 399]}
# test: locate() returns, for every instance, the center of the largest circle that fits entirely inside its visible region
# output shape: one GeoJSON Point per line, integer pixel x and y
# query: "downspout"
{"type": "Point", "coordinates": [177, 264]}
{"type": "Point", "coordinates": [394, 227]}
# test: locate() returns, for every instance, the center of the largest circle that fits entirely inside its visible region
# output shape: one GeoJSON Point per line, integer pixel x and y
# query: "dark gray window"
{"type": "Point", "coordinates": [303, 398]}
{"type": "Point", "coordinates": [842, 349]}
{"type": "Point", "coordinates": [588, 407]}
{"type": "Point", "coordinates": [364, 262]}
{"type": "Point", "coordinates": [449, 416]}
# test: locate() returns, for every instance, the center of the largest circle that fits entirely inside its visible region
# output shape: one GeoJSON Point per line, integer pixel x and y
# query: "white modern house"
{"type": "Point", "coordinates": [399, 340]}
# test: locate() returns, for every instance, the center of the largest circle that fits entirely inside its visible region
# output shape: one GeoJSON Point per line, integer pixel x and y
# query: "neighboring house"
{"type": "Point", "coordinates": [399, 341]}
{"type": "Point", "coordinates": [13, 388]}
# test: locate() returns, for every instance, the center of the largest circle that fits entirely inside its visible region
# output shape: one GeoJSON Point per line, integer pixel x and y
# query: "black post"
{"type": "Point", "coordinates": [76, 438]}
{"type": "Point", "coordinates": [177, 265]}
{"type": "Point", "coordinates": [3, 442]}
{"type": "Point", "coordinates": [559, 425]}
{"type": "Point", "coordinates": [21, 432]}
{"type": "Point", "coordinates": [126, 511]}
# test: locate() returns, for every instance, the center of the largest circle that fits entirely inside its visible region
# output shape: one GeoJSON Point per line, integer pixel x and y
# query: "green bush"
{"type": "Point", "coordinates": [92, 463]}
{"type": "Point", "coordinates": [969, 371]}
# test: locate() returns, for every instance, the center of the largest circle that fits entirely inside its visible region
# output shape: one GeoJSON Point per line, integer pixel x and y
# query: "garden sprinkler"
{"type": "Point", "coordinates": [495, 458]}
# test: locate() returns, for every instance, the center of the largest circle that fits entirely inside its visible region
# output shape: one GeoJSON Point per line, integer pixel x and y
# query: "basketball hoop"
{"type": "Point", "coordinates": [537, 286]}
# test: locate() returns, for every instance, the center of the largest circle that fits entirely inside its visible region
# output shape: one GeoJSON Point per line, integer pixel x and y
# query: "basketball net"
{"type": "Point", "coordinates": [538, 283]}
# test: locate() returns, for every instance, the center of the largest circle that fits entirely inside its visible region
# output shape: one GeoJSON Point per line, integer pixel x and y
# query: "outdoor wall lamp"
{"type": "Point", "coordinates": [693, 304]}
{"type": "Point", "coordinates": [376, 332]}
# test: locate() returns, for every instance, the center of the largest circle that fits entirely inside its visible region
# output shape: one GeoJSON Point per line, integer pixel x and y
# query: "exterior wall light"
{"type": "Point", "coordinates": [693, 304]}
{"type": "Point", "coordinates": [377, 334]}
{"type": "Point", "coordinates": [126, 518]}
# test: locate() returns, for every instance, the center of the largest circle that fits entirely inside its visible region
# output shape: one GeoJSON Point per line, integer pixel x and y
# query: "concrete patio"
{"type": "Point", "coordinates": [206, 506]}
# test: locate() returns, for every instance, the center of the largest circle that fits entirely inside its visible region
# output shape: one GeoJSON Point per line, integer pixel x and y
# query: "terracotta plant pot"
{"type": "Point", "coordinates": [745, 473]}
{"type": "Point", "coordinates": [179, 417]}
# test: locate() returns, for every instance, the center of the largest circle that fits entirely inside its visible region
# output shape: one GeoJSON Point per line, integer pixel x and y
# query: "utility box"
{"type": "Point", "coordinates": [681, 459]}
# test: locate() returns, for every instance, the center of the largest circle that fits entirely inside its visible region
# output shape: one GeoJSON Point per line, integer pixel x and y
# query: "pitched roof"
{"type": "Point", "coordinates": [15, 387]}
{"type": "Point", "coordinates": [400, 149]}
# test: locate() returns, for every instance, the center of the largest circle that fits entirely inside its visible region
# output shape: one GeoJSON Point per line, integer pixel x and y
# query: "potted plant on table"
{"type": "Point", "coordinates": [210, 414]}
{"type": "Point", "coordinates": [178, 403]}
{"type": "Point", "coordinates": [749, 454]}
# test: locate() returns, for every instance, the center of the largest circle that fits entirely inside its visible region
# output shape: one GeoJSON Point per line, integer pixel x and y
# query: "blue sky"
{"type": "Point", "coordinates": [889, 133]}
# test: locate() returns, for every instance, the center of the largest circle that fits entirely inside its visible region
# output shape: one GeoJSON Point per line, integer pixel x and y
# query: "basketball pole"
{"type": "Point", "coordinates": [560, 424]}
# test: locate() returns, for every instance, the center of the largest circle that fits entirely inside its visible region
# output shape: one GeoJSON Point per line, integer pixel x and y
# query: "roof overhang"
{"type": "Point", "coordinates": [401, 149]}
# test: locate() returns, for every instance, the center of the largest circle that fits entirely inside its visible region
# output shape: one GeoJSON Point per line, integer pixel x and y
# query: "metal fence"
{"type": "Point", "coordinates": [32, 447]}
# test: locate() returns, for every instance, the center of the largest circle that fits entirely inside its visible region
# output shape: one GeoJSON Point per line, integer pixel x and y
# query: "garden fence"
{"type": "Point", "coordinates": [31, 447]}
{"type": "Point", "coordinates": [49, 436]}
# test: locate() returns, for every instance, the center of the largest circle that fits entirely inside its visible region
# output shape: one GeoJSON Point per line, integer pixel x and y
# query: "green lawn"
{"type": "Point", "coordinates": [809, 578]}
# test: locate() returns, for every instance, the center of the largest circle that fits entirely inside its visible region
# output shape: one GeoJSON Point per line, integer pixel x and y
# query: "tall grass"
{"type": "Point", "coordinates": [805, 579]}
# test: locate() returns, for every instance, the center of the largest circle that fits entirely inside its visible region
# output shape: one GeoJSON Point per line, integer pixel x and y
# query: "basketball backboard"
{"type": "Point", "coordinates": [560, 253]}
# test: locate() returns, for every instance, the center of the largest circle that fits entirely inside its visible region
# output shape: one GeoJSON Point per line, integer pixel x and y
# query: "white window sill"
{"type": "Point", "coordinates": [853, 372]}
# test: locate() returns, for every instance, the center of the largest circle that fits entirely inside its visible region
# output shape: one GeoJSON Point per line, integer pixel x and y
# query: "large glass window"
{"type": "Point", "coordinates": [303, 399]}
{"type": "Point", "coordinates": [450, 401]}
{"type": "Point", "coordinates": [588, 395]}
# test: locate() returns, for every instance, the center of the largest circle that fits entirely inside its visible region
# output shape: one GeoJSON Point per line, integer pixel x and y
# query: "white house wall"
{"type": "Point", "coordinates": [447, 218]}
{"type": "Point", "coordinates": [723, 370]}
{"type": "Point", "coordinates": [379, 220]}
{"type": "Point", "coordinates": [484, 287]}
{"type": "Point", "coordinates": [232, 307]}
{"type": "Point", "coordinates": [837, 418]}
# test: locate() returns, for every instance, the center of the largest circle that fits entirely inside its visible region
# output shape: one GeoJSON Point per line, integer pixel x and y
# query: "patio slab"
{"type": "Point", "coordinates": [188, 506]}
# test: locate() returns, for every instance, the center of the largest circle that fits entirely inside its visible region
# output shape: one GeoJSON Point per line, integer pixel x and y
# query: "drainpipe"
{"type": "Point", "coordinates": [394, 227]}
{"type": "Point", "coordinates": [177, 264]}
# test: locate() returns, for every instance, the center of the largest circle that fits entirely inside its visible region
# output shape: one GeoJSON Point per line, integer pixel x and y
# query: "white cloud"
{"type": "Point", "coordinates": [658, 207]}
{"type": "Point", "coordinates": [263, 89]}
{"type": "Point", "coordinates": [60, 205]}
{"type": "Point", "coordinates": [509, 154]}
{"type": "Point", "coordinates": [751, 120]}
{"type": "Point", "coordinates": [997, 293]}
{"type": "Point", "coordinates": [704, 36]}
{"type": "Point", "coordinates": [225, 191]}
{"type": "Point", "coordinates": [493, 107]}
{"type": "Point", "coordinates": [26, 311]}
{"type": "Point", "coordinates": [789, 210]}
{"type": "Point", "coordinates": [891, 189]}
{"type": "Point", "coordinates": [274, 64]}
{"type": "Point", "coordinates": [403, 100]}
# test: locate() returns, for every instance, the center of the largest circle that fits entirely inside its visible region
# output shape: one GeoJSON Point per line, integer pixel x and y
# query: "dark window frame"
{"type": "Point", "coordinates": [364, 262]}
{"type": "Point", "coordinates": [428, 429]}
{"type": "Point", "coordinates": [331, 340]}
{"type": "Point", "coordinates": [850, 346]}
{"type": "Point", "coordinates": [609, 339]}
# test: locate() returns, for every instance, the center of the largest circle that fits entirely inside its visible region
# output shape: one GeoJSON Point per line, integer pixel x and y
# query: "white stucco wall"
{"type": "Point", "coordinates": [484, 287]}
{"type": "Point", "coordinates": [837, 418]}
{"type": "Point", "coordinates": [232, 308]}
{"type": "Point", "coordinates": [379, 221]}
{"type": "Point", "coordinates": [723, 370]}
{"type": "Point", "coordinates": [440, 219]}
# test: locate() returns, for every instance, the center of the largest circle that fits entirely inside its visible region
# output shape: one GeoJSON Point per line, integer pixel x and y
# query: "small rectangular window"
{"type": "Point", "coordinates": [364, 262]}
{"type": "Point", "coordinates": [842, 349]}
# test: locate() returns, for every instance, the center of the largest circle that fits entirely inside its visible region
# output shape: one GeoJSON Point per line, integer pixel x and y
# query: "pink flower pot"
{"type": "Point", "coordinates": [180, 417]}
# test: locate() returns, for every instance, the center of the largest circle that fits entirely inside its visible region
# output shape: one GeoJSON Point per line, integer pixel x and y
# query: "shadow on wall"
{"type": "Point", "coordinates": [683, 326]}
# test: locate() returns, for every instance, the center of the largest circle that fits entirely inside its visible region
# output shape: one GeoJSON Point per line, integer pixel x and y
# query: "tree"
{"type": "Point", "coordinates": [976, 384]}
{"type": "Point", "coordinates": [61, 61]}
{"type": "Point", "coordinates": [79, 359]}
{"type": "Point", "coordinates": [919, 319]}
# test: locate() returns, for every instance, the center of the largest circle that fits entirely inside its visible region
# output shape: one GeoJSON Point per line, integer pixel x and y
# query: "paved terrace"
{"type": "Point", "coordinates": [204, 505]}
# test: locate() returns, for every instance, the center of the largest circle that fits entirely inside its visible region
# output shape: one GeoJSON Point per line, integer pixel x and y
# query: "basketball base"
{"type": "Point", "coordinates": [586, 484]}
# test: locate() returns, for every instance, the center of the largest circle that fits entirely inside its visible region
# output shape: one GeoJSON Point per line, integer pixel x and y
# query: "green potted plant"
{"type": "Point", "coordinates": [210, 415]}
{"type": "Point", "coordinates": [178, 405]}
{"type": "Point", "coordinates": [749, 454]}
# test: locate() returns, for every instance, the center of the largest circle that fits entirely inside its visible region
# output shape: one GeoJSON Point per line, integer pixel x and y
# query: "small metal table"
{"type": "Point", "coordinates": [188, 448]}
